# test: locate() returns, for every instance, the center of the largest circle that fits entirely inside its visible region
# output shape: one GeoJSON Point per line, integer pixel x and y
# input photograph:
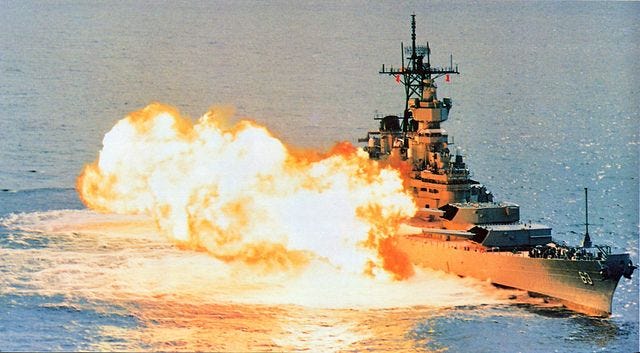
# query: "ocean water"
{"type": "Point", "coordinates": [546, 104]}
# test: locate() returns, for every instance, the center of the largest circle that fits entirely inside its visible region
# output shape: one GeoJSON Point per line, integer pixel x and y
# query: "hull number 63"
{"type": "Point", "coordinates": [586, 279]}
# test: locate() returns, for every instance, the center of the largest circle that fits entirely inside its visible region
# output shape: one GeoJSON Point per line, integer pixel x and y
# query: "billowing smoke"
{"type": "Point", "coordinates": [243, 196]}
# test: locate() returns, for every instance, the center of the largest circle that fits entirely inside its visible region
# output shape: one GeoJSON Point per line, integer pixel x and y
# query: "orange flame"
{"type": "Point", "coordinates": [240, 194]}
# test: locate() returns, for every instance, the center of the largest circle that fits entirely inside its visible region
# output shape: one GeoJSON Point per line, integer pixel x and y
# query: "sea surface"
{"type": "Point", "coordinates": [547, 104]}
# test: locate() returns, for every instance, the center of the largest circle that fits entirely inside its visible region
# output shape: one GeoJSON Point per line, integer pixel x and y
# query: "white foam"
{"type": "Point", "coordinates": [112, 257]}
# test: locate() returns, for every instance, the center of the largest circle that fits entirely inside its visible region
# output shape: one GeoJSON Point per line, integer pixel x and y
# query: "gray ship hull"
{"type": "Point", "coordinates": [580, 285]}
{"type": "Point", "coordinates": [459, 228]}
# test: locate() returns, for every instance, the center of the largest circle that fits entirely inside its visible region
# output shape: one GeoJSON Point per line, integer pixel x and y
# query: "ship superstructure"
{"type": "Point", "coordinates": [440, 176]}
{"type": "Point", "coordinates": [460, 228]}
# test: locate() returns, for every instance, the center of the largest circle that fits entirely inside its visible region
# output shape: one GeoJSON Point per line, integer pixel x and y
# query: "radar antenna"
{"type": "Point", "coordinates": [413, 75]}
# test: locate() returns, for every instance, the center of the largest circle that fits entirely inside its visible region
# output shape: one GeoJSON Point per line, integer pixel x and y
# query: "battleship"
{"type": "Point", "coordinates": [460, 228]}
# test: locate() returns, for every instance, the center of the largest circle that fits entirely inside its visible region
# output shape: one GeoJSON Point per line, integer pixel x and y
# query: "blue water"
{"type": "Point", "coordinates": [547, 104]}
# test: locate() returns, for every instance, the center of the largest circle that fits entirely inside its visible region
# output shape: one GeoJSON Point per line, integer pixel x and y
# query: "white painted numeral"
{"type": "Point", "coordinates": [586, 279]}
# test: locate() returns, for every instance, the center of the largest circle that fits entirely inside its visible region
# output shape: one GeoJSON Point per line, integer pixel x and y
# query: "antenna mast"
{"type": "Point", "coordinates": [586, 242]}
{"type": "Point", "coordinates": [417, 71]}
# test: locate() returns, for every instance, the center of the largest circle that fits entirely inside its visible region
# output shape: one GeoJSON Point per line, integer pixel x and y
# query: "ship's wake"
{"type": "Point", "coordinates": [123, 258]}
{"type": "Point", "coordinates": [120, 266]}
